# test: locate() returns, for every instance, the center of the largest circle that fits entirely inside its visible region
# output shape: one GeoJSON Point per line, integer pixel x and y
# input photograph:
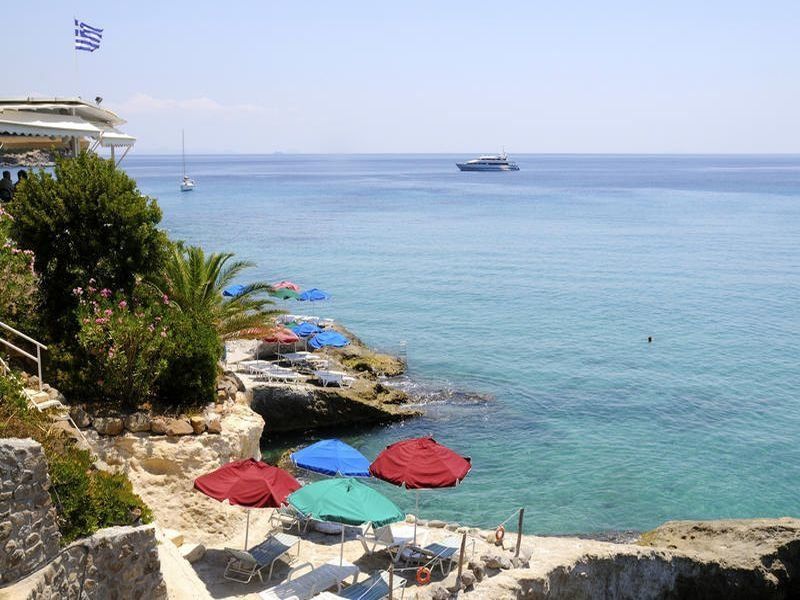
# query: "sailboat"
{"type": "Point", "coordinates": [187, 183]}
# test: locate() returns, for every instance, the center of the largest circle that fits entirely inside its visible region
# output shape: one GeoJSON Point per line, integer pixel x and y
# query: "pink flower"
{"type": "Point", "coordinates": [163, 333]}
{"type": "Point", "coordinates": [108, 312]}
{"type": "Point", "coordinates": [123, 305]}
{"type": "Point", "coordinates": [105, 293]}
{"type": "Point", "coordinates": [151, 328]}
{"type": "Point", "coordinates": [165, 299]}
{"type": "Point", "coordinates": [77, 291]}
{"type": "Point", "coordinates": [100, 321]}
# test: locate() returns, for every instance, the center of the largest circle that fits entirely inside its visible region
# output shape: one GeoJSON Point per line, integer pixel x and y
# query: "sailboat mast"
{"type": "Point", "coordinates": [183, 152]}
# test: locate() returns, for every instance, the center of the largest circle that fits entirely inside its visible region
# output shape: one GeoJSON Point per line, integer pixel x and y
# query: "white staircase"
{"type": "Point", "coordinates": [38, 398]}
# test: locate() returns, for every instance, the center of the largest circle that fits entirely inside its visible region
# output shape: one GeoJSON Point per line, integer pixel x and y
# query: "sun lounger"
{"type": "Point", "coordinates": [392, 539]}
{"type": "Point", "coordinates": [339, 378]}
{"type": "Point", "coordinates": [243, 565]}
{"type": "Point", "coordinates": [375, 587]}
{"type": "Point", "coordinates": [250, 365]}
{"type": "Point", "coordinates": [287, 518]}
{"type": "Point", "coordinates": [315, 581]}
{"type": "Point", "coordinates": [275, 373]}
{"type": "Point", "coordinates": [442, 554]}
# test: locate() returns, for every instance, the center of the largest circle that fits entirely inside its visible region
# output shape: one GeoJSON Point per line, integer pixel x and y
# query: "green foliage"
{"type": "Point", "coordinates": [19, 291]}
{"type": "Point", "coordinates": [194, 281]}
{"type": "Point", "coordinates": [88, 220]}
{"type": "Point", "coordinates": [88, 499]}
{"type": "Point", "coordinates": [124, 341]}
{"type": "Point", "coordinates": [85, 498]}
{"type": "Point", "coordinates": [190, 376]}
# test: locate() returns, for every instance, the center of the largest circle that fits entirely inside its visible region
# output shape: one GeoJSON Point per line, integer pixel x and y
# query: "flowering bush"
{"type": "Point", "coordinates": [19, 289]}
{"type": "Point", "coordinates": [125, 341]}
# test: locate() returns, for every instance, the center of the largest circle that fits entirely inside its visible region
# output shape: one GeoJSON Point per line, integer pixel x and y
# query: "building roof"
{"type": "Point", "coordinates": [62, 117]}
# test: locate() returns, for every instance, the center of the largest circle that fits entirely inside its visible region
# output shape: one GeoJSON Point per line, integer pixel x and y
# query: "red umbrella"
{"type": "Point", "coordinates": [280, 336]}
{"type": "Point", "coordinates": [420, 463]}
{"type": "Point", "coordinates": [288, 285]}
{"type": "Point", "coordinates": [249, 483]}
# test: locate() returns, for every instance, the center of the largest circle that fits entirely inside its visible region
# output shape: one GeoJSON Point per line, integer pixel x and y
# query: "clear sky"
{"type": "Point", "coordinates": [425, 76]}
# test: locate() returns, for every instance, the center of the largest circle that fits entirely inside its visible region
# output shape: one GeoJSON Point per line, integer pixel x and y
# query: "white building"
{"type": "Point", "coordinates": [61, 124]}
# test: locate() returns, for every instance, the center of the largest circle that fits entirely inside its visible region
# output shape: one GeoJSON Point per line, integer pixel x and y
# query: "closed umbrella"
{"type": "Point", "coordinates": [347, 502]}
{"type": "Point", "coordinates": [420, 463]}
{"type": "Point", "coordinates": [287, 285]}
{"type": "Point", "coordinates": [250, 483]}
{"type": "Point", "coordinates": [284, 293]}
{"type": "Point", "coordinates": [313, 295]}
{"type": "Point", "coordinates": [332, 457]}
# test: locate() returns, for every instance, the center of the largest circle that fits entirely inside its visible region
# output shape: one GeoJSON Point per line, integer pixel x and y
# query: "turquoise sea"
{"type": "Point", "coordinates": [525, 301]}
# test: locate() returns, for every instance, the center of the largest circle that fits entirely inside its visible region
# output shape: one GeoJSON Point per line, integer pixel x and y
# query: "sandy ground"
{"type": "Point", "coordinates": [315, 548]}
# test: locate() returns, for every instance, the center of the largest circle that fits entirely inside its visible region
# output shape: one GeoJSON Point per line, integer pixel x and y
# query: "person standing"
{"type": "Point", "coordinates": [6, 187]}
{"type": "Point", "coordinates": [22, 175]}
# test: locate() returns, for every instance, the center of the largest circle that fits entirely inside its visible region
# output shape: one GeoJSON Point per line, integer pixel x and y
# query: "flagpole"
{"type": "Point", "coordinates": [75, 55]}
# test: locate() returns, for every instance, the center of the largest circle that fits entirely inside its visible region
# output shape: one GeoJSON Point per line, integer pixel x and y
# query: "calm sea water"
{"type": "Point", "coordinates": [538, 290]}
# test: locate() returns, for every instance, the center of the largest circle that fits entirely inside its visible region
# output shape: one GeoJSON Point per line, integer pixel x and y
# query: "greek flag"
{"type": "Point", "coordinates": [87, 37]}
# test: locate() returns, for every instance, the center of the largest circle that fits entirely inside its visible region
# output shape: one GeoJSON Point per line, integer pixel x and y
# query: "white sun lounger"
{"type": "Point", "coordinates": [392, 539]}
{"type": "Point", "coordinates": [243, 565]}
{"type": "Point", "coordinates": [287, 518]}
{"type": "Point", "coordinates": [374, 587]}
{"type": "Point", "coordinates": [249, 365]}
{"type": "Point", "coordinates": [315, 581]}
{"type": "Point", "coordinates": [274, 373]}
{"type": "Point", "coordinates": [439, 553]}
{"type": "Point", "coordinates": [339, 378]}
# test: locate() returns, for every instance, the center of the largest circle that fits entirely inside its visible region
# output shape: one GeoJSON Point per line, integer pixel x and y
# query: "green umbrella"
{"type": "Point", "coordinates": [284, 294]}
{"type": "Point", "coordinates": [345, 501]}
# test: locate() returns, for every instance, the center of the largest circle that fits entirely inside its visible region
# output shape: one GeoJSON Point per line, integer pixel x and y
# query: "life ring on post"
{"type": "Point", "coordinates": [499, 534]}
{"type": "Point", "coordinates": [423, 576]}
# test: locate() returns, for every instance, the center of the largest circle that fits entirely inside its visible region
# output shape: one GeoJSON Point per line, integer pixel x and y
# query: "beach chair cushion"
{"type": "Point", "coordinates": [375, 587]}
{"type": "Point", "coordinates": [314, 582]}
{"type": "Point", "coordinates": [243, 565]}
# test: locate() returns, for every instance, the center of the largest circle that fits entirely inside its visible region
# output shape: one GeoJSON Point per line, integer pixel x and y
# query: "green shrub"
{"type": "Point", "coordinates": [85, 498]}
{"type": "Point", "coordinates": [190, 376]}
{"type": "Point", "coordinates": [88, 499]}
{"type": "Point", "coordinates": [19, 291]}
{"type": "Point", "coordinates": [87, 220]}
{"type": "Point", "coordinates": [124, 339]}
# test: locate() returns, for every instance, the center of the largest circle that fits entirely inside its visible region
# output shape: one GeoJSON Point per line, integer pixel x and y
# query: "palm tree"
{"type": "Point", "coordinates": [194, 282]}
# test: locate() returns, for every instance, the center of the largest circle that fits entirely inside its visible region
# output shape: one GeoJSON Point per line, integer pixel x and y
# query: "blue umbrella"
{"type": "Point", "coordinates": [305, 329]}
{"type": "Point", "coordinates": [234, 290]}
{"type": "Point", "coordinates": [328, 338]}
{"type": "Point", "coordinates": [332, 457]}
{"type": "Point", "coordinates": [313, 295]}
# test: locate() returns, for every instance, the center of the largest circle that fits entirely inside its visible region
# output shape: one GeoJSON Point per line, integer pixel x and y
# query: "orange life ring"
{"type": "Point", "coordinates": [499, 534]}
{"type": "Point", "coordinates": [423, 576]}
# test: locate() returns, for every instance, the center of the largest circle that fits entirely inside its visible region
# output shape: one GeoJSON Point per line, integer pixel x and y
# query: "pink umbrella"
{"type": "Point", "coordinates": [279, 336]}
{"type": "Point", "coordinates": [286, 284]}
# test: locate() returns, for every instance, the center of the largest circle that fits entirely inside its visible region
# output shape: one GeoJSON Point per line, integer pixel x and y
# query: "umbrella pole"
{"type": "Point", "coordinates": [416, 518]}
{"type": "Point", "coordinates": [247, 529]}
{"type": "Point", "coordinates": [341, 548]}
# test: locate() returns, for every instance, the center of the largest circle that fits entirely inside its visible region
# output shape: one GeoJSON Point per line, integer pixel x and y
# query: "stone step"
{"type": "Point", "coordinates": [49, 404]}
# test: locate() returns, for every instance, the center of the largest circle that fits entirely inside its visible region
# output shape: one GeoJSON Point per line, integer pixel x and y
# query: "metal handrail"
{"type": "Point", "coordinates": [39, 347]}
{"type": "Point", "coordinates": [22, 335]}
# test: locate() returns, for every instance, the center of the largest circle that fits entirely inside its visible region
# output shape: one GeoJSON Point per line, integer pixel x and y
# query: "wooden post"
{"type": "Point", "coordinates": [519, 531]}
{"type": "Point", "coordinates": [391, 580]}
{"type": "Point", "coordinates": [461, 562]}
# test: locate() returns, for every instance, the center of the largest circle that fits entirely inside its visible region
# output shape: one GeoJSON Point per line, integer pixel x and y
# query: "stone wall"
{"type": "Point", "coordinates": [29, 535]}
{"type": "Point", "coordinates": [113, 564]}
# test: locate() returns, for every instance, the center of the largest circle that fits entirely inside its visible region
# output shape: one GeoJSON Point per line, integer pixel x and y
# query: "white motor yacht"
{"type": "Point", "coordinates": [490, 162]}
